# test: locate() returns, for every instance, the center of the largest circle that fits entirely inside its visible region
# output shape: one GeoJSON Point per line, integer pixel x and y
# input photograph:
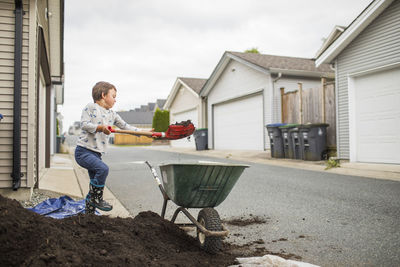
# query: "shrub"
{"type": "Point", "coordinates": [160, 120]}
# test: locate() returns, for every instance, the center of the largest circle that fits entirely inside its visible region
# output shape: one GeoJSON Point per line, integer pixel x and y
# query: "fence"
{"type": "Point", "coordinates": [125, 139]}
{"type": "Point", "coordinates": [314, 105]}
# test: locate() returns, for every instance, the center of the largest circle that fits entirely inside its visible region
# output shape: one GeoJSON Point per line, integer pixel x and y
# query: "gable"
{"type": "Point", "coordinates": [184, 100]}
{"type": "Point", "coordinates": [237, 79]}
{"type": "Point", "coordinates": [353, 30]}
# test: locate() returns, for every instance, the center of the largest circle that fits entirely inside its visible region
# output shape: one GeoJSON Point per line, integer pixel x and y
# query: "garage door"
{"type": "Point", "coordinates": [377, 98]}
{"type": "Point", "coordinates": [238, 125]}
{"type": "Point", "coordinates": [184, 116]}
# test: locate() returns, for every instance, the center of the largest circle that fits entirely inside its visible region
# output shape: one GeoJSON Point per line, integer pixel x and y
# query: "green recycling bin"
{"type": "Point", "coordinates": [275, 140]}
{"type": "Point", "coordinates": [287, 144]}
{"type": "Point", "coordinates": [313, 141]}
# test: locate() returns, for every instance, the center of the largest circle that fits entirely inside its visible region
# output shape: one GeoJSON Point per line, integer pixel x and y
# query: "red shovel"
{"type": "Point", "coordinates": [175, 131]}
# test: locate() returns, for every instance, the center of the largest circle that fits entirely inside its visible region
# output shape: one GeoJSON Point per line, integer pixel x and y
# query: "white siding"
{"type": "Point", "coordinates": [235, 81]}
{"type": "Point", "coordinates": [378, 45]}
{"type": "Point", "coordinates": [7, 35]}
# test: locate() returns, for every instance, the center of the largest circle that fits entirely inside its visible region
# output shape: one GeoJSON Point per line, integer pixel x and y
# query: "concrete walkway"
{"type": "Point", "coordinates": [66, 177]}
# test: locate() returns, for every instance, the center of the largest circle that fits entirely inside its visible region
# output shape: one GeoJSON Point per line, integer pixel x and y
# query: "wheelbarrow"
{"type": "Point", "coordinates": [200, 184]}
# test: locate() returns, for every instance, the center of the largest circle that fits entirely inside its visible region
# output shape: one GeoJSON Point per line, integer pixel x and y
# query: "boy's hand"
{"type": "Point", "coordinates": [103, 129]}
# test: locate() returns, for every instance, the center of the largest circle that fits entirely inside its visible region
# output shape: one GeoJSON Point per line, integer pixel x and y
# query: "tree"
{"type": "Point", "coordinates": [160, 120]}
{"type": "Point", "coordinates": [253, 50]}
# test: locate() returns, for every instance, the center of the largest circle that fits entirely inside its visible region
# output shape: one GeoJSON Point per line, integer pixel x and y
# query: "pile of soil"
{"type": "Point", "coordinates": [29, 239]}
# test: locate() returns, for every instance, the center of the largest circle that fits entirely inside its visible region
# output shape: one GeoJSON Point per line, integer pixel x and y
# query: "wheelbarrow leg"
{"type": "Point", "coordinates": [164, 207]}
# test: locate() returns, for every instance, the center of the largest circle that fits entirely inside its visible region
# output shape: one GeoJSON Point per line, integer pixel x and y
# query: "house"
{"type": "Point", "coordinates": [31, 81]}
{"type": "Point", "coordinates": [140, 118]}
{"type": "Point", "coordinates": [184, 103]}
{"type": "Point", "coordinates": [366, 57]}
{"type": "Point", "coordinates": [243, 96]}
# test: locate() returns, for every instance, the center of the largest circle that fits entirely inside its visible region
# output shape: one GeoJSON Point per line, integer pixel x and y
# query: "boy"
{"type": "Point", "coordinates": [93, 141]}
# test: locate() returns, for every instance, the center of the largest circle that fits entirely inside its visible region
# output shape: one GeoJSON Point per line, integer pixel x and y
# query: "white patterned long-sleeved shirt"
{"type": "Point", "coordinates": [94, 115]}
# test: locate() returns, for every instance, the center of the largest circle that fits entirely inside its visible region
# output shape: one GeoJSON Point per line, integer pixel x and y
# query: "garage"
{"type": "Point", "coordinates": [192, 115]}
{"type": "Point", "coordinates": [376, 126]}
{"type": "Point", "coordinates": [238, 124]}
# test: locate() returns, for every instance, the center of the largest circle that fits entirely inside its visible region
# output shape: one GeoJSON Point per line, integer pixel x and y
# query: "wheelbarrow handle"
{"type": "Point", "coordinates": [155, 175]}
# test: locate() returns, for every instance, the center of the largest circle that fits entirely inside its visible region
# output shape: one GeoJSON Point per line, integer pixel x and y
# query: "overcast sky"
{"type": "Point", "coordinates": [143, 46]}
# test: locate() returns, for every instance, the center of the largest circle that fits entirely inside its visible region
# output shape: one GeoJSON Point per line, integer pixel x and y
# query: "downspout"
{"type": "Point", "coordinates": [273, 95]}
{"type": "Point", "coordinates": [16, 172]}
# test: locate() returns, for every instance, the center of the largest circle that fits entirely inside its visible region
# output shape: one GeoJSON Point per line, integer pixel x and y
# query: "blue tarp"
{"type": "Point", "coordinates": [59, 208]}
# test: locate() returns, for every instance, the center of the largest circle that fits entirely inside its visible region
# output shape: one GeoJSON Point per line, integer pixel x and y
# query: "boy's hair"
{"type": "Point", "coordinates": [99, 88]}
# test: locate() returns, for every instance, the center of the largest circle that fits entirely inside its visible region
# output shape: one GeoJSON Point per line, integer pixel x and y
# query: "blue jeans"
{"type": "Point", "coordinates": [91, 161]}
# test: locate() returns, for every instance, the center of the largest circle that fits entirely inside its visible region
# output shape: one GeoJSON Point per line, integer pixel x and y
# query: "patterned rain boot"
{"type": "Point", "coordinates": [96, 198]}
{"type": "Point", "coordinates": [89, 208]}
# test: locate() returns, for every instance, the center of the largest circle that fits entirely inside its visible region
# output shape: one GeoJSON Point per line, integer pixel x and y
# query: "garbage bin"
{"type": "Point", "coordinates": [287, 144]}
{"type": "Point", "coordinates": [201, 138]}
{"type": "Point", "coordinates": [275, 139]}
{"type": "Point", "coordinates": [313, 140]}
{"type": "Point", "coordinates": [295, 149]}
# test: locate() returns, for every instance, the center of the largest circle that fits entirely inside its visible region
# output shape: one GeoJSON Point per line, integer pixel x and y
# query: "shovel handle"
{"type": "Point", "coordinates": [151, 134]}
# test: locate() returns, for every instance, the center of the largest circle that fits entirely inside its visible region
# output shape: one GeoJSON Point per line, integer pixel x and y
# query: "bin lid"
{"type": "Point", "coordinates": [313, 125]}
{"type": "Point", "coordinates": [275, 124]}
{"type": "Point", "coordinates": [290, 125]}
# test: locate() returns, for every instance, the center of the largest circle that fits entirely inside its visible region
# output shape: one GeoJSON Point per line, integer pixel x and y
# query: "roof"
{"type": "Point", "coordinates": [137, 117]}
{"type": "Point", "coordinates": [292, 66]}
{"type": "Point", "coordinates": [271, 62]}
{"type": "Point", "coordinates": [335, 33]}
{"type": "Point", "coordinates": [160, 103]}
{"type": "Point", "coordinates": [194, 83]}
{"type": "Point", "coordinates": [372, 11]}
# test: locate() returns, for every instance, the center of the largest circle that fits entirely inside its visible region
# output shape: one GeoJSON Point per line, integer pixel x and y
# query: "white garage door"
{"type": "Point", "coordinates": [184, 116]}
{"type": "Point", "coordinates": [238, 125]}
{"type": "Point", "coordinates": [377, 121]}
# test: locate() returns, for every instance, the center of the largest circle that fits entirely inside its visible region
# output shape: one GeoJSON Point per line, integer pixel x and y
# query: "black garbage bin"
{"type": "Point", "coordinates": [295, 149]}
{"type": "Point", "coordinates": [201, 138]}
{"type": "Point", "coordinates": [313, 141]}
{"type": "Point", "coordinates": [287, 143]}
{"type": "Point", "coordinates": [275, 139]}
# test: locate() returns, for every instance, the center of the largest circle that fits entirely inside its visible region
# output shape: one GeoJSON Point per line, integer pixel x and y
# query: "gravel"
{"type": "Point", "coordinates": [38, 196]}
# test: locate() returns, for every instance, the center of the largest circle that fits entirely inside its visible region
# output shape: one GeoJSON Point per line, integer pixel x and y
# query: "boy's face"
{"type": "Point", "coordinates": [109, 98]}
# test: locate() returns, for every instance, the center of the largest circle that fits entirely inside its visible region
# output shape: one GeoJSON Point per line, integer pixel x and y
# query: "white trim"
{"type": "Point", "coordinates": [30, 172]}
{"type": "Point", "coordinates": [337, 112]}
{"type": "Point", "coordinates": [352, 119]}
{"type": "Point", "coordinates": [185, 110]}
{"type": "Point", "coordinates": [221, 67]}
{"type": "Point", "coordinates": [357, 26]}
{"type": "Point", "coordinates": [237, 97]}
{"type": "Point", "coordinates": [214, 76]}
{"type": "Point", "coordinates": [377, 69]}
{"type": "Point", "coordinates": [303, 73]}
{"type": "Point", "coordinates": [249, 64]}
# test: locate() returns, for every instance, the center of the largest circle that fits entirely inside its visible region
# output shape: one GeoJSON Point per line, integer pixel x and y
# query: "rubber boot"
{"type": "Point", "coordinates": [96, 198]}
{"type": "Point", "coordinates": [89, 209]}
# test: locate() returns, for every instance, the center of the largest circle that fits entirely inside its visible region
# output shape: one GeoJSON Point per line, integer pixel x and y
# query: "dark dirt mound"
{"type": "Point", "coordinates": [29, 239]}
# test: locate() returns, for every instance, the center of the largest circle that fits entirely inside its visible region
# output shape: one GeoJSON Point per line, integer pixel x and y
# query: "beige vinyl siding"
{"type": "Point", "coordinates": [378, 45]}
{"type": "Point", "coordinates": [7, 35]}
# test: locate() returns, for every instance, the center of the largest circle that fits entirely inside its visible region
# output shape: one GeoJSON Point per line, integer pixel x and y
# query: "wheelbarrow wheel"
{"type": "Point", "coordinates": [209, 218]}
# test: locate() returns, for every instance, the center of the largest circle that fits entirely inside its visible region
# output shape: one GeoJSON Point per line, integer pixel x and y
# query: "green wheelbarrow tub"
{"type": "Point", "coordinates": [200, 184]}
